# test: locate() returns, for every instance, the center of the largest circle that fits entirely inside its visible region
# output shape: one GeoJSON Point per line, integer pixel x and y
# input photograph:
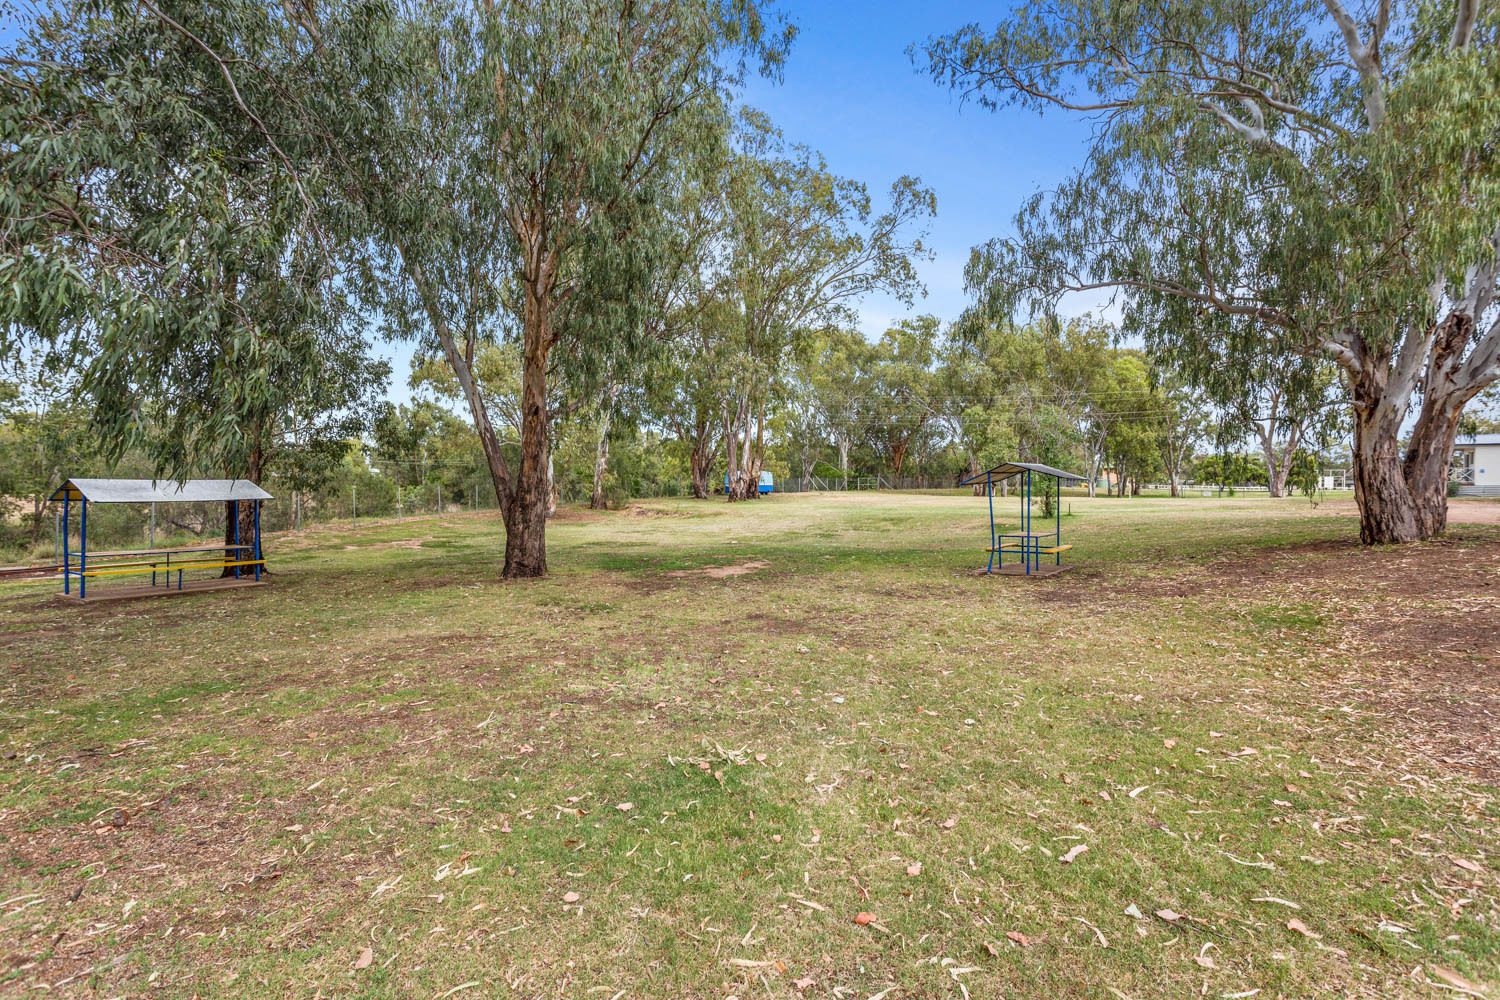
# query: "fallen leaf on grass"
{"type": "Point", "coordinates": [1455, 980]}
{"type": "Point", "coordinates": [1135, 793]}
{"type": "Point", "coordinates": [914, 869]}
{"type": "Point", "coordinates": [1170, 916]}
{"type": "Point", "coordinates": [1169, 744]}
{"type": "Point", "coordinates": [804, 983]}
{"type": "Point", "coordinates": [625, 807]}
{"type": "Point", "coordinates": [365, 958]}
{"type": "Point", "coordinates": [1278, 901]}
{"type": "Point", "coordinates": [1073, 853]}
{"type": "Point", "coordinates": [1467, 865]}
{"type": "Point", "coordinates": [1018, 938]}
{"type": "Point", "coordinates": [1098, 934]}
{"type": "Point", "coordinates": [811, 905]}
{"type": "Point", "coordinates": [571, 897]}
{"type": "Point", "coordinates": [949, 823]}
{"type": "Point", "coordinates": [1296, 925]}
{"type": "Point", "coordinates": [864, 917]}
{"type": "Point", "coordinates": [1134, 911]}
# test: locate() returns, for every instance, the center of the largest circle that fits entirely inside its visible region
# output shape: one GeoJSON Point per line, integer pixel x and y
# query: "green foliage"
{"type": "Point", "coordinates": [162, 244]}
{"type": "Point", "coordinates": [1309, 182]}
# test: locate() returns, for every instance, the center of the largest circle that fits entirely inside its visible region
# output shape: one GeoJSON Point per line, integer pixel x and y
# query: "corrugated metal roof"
{"type": "Point", "coordinates": [1467, 439]}
{"type": "Point", "coordinates": [1007, 469]}
{"type": "Point", "coordinates": [159, 491]}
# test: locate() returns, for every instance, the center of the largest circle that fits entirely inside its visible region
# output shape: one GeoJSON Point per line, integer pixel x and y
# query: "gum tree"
{"type": "Point", "coordinates": [525, 152]}
{"type": "Point", "coordinates": [1321, 177]}
{"type": "Point", "coordinates": [804, 244]}
{"type": "Point", "coordinates": [162, 244]}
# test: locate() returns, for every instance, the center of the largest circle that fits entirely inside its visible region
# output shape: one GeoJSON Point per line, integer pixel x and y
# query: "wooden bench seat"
{"type": "Point", "coordinates": [121, 569]}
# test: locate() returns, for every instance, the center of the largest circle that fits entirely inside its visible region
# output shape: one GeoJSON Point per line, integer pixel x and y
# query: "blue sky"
{"type": "Point", "coordinates": [851, 91]}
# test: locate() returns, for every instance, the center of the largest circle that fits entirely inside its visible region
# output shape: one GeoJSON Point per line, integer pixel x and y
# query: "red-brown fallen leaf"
{"type": "Point", "coordinates": [1073, 853]}
{"type": "Point", "coordinates": [1296, 925]}
{"type": "Point", "coordinates": [989, 946]}
{"type": "Point", "coordinates": [1467, 865]}
{"type": "Point", "coordinates": [365, 958]}
{"type": "Point", "coordinates": [864, 917]}
{"type": "Point", "coordinates": [914, 869]}
{"type": "Point", "coordinates": [1018, 938]}
{"type": "Point", "coordinates": [1170, 916]}
{"type": "Point", "coordinates": [571, 897]}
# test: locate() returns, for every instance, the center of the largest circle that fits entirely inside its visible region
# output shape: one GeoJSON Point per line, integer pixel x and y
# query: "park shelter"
{"type": "Point", "coordinates": [1028, 545]}
{"type": "Point", "coordinates": [242, 556]}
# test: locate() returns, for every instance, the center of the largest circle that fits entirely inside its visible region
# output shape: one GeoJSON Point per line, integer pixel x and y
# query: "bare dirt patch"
{"type": "Point", "coordinates": [1417, 625]}
{"type": "Point", "coordinates": [721, 572]}
{"type": "Point", "coordinates": [400, 543]}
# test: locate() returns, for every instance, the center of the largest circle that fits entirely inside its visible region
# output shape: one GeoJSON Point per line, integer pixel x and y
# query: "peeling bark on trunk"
{"type": "Point", "coordinates": [526, 515]}
{"type": "Point", "coordinates": [1430, 454]}
{"type": "Point", "coordinates": [699, 463]}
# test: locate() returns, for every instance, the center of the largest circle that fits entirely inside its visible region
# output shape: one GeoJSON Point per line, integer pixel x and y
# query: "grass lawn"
{"type": "Point", "coordinates": [1231, 755]}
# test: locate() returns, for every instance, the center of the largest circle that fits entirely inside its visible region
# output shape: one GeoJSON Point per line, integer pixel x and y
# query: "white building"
{"type": "Point", "coordinates": [1476, 465]}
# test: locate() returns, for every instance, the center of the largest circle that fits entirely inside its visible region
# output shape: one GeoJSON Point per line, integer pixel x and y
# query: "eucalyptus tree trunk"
{"type": "Point", "coordinates": [601, 447]}
{"type": "Point", "coordinates": [743, 468]}
{"type": "Point", "coordinates": [699, 462]}
{"type": "Point", "coordinates": [1403, 493]}
{"type": "Point", "coordinates": [526, 514]}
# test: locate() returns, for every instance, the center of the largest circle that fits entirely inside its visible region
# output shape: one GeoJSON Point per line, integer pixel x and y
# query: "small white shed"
{"type": "Point", "coordinates": [1476, 465]}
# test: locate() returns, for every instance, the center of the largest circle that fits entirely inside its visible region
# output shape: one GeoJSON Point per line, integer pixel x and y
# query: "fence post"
{"type": "Point", "coordinates": [354, 505]}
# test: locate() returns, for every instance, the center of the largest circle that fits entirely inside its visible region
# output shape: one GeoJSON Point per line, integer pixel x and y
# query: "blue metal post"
{"type": "Point", "coordinates": [989, 488]}
{"type": "Point", "coordinates": [1026, 521]}
{"type": "Point", "coordinates": [67, 562]}
{"type": "Point", "coordinates": [257, 541]}
{"type": "Point", "coordinates": [83, 548]}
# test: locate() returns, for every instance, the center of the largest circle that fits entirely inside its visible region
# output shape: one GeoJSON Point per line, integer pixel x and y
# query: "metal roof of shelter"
{"type": "Point", "coordinates": [1007, 469]}
{"type": "Point", "coordinates": [158, 491]}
